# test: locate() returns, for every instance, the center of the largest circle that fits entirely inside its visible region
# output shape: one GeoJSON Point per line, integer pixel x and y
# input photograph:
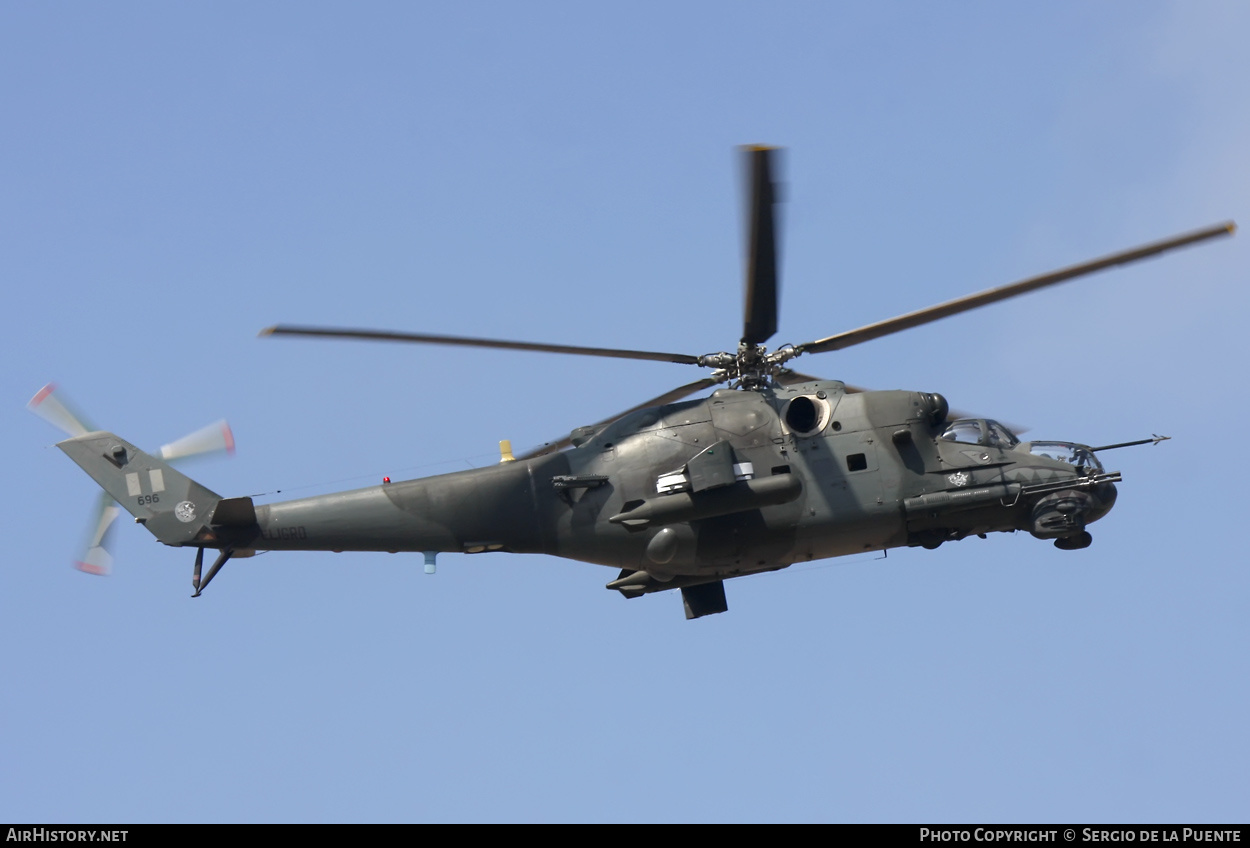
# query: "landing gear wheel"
{"type": "Point", "coordinates": [1075, 542]}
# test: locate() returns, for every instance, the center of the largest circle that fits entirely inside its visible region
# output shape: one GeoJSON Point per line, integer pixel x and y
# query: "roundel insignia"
{"type": "Point", "coordinates": [959, 478]}
{"type": "Point", "coordinates": [185, 512]}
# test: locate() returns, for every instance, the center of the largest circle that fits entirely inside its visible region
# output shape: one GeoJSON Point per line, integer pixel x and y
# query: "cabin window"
{"type": "Point", "coordinates": [856, 462]}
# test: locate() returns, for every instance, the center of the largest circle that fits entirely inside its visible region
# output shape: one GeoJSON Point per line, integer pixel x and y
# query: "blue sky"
{"type": "Point", "coordinates": [177, 177]}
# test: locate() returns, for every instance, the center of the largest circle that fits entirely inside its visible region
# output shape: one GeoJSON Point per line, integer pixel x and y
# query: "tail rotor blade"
{"type": "Point", "coordinates": [215, 437]}
{"type": "Point", "coordinates": [98, 558]}
{"type": "Point", "coordinates": [51, 406]}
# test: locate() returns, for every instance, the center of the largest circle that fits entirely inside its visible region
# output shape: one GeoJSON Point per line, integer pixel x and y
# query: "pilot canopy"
{"type": "Point", "coordinates": [980, 431]}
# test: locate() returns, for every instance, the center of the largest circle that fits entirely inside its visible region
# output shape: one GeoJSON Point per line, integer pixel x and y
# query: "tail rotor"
{"type": "Point", "coordinates": [52, 406]}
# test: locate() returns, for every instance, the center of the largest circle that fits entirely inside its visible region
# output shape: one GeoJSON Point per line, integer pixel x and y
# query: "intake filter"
{"type": "Point", "coordinates": [936, 408]}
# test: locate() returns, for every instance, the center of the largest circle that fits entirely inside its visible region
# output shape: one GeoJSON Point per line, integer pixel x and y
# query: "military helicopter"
{"type": "Point", "coordinates": [776, 468]}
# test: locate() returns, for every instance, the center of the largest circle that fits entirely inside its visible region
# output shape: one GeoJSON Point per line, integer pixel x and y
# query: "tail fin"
{"type": "Point", "coordinates": [173, 507]}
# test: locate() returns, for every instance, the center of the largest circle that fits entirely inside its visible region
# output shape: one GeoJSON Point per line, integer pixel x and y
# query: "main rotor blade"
{"type": "Point", "coordinates": [463, 341]}
{"type": "Point", "coordinates": [790, 377]}
{"type": "Point", "coordinates": [668, 397]}
{"type": "Point", "coordinates": [973, 301]}
{"type": "Point", "coordinates": [760, 322]}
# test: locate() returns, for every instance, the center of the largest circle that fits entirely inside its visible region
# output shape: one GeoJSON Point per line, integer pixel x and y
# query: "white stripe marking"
{"type": "Point", "coordinates": [132, 485]}
{"type": "Point", "coordinates": [158, 480]}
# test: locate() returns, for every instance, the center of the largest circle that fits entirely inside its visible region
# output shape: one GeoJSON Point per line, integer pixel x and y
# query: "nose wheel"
{"type": "Point", "coordinates": [1074, 542]}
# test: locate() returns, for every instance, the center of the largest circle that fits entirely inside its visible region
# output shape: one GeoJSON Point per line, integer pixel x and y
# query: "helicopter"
{"type": "Point", "coordinates": [773, 468]}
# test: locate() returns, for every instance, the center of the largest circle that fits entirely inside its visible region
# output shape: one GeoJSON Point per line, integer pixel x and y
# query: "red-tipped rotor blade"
{"type": "Point", "coordinates": [98, 557]}
{"type": "Point", "coordinates": [51, 405]}
{"type": "Point", "coordinates": [215, 437]}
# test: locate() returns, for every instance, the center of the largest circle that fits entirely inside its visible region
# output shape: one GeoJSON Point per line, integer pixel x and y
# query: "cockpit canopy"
{"type": "Point", "coordinates": [1068, 452]}
{"type": "Point", "coordinates": [980, 431]}
{"type": "Point", "coordinates": [984, 431]}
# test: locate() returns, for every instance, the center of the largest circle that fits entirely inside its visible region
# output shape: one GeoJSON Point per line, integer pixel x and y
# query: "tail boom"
{"type": "Point", "coordinates": [484, 509]}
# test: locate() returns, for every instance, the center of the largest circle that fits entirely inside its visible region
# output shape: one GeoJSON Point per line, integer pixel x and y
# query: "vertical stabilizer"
{"type": "Point", "coordinates": [172, 506]}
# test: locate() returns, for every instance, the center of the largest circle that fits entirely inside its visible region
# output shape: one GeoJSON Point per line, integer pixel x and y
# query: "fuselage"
{"type": "Point", "coordinates": [735, 483]}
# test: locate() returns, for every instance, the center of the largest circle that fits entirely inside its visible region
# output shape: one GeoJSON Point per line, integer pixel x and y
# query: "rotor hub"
{"type": "Point", "coordinates": [752, 367]}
